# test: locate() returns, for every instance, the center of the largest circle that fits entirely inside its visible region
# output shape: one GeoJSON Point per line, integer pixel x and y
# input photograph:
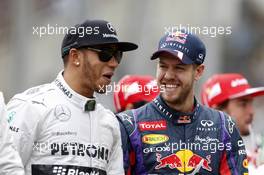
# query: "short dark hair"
{"type": "Point", "coordinates": [65, 60]}
{"type": "Point", "coordinates": [223, 105]}
{"type": "Point", "coordinates": [139, 104]}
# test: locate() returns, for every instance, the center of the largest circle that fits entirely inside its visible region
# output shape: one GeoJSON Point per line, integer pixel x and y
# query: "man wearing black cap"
{"type": "Point", "coordinates": [174, 134]}
{"type": "Point", "coordinates": [58, 127]}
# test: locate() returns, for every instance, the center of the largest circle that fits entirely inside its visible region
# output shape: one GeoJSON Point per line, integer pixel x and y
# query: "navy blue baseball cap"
{"type": "Point", "coordinates": [185, 46]}
{"type": "Point", "coordinates": [93, 33]}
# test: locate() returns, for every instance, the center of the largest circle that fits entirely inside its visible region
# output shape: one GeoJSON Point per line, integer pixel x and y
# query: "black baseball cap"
{"type": "Point", "coordinates": [185, 46]}
{"type": "Point", "coordinates": [93, 33]}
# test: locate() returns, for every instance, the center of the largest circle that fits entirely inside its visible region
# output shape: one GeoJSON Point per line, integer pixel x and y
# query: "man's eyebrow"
{"type": "Point", "coordinates": [246, 100]}
{"type": "Point", "coordinates": [161, 62]}
{"type": "Point", "coordinates": [178, 64]}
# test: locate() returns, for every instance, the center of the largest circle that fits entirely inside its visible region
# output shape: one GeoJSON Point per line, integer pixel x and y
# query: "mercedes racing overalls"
{"type": "Point", "coordinates": [56, 136]}
{"type": "Point", "coordinates": [10, 162]}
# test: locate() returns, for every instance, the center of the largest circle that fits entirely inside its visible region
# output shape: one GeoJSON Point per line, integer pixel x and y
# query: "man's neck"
{"type": "Point", "coordinates": [183, 106]}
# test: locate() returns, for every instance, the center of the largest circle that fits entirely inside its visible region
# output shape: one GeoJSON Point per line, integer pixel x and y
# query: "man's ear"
{"type": "Point", "coordinates": [199, 69]}
{"type": "Point", "coordinates": [74, 57]}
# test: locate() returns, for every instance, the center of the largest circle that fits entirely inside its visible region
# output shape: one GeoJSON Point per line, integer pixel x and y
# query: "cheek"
{"type": "Point", "coordinates": [94, 68]}
{"type": "Point", "coordinates": [159, 75]}
{"type": "Point", "coordinates": [96, 71]}
{"type": "Point", "coordinates": [87, 68]}
{"type": "Point", "coordinates": [89, 72]}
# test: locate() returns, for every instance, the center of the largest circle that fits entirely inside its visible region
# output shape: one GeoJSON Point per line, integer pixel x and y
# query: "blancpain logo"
{"type": "Point", "coordinates": [58, 170]}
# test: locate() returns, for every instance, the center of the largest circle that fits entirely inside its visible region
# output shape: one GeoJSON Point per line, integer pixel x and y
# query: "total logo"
{"type": "Point", "coordinates": [153, 125]}
{"type": "Point", "coordinates": [184, 161]}
{"type": "Point", "coordinates": [59, 170]}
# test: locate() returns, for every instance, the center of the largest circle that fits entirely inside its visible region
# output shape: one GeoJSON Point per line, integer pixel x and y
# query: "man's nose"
{"type": "Point", "coordinates": [250, 109]}
{"type": "Point", "coordinates": [169, 74]}
{"type": "Point", "coordinates": [113, 62]}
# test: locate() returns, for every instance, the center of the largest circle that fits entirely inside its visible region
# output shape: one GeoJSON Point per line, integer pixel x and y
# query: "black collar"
{"type": "Point", "coordinates": [177, 117]}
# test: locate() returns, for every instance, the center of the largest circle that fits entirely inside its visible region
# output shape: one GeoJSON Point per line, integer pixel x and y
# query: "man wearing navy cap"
{"type": "Point", "coordinates": [175, 134]}
{"type": "Point", "coordinates": [58, 127]}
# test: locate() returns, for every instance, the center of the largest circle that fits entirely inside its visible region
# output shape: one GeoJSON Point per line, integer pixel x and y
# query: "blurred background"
{"type": "Point", "coordinates": [28, 59]}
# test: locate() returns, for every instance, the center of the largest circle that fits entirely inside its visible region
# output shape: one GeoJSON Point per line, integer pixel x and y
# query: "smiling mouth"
{"type": "Point", "coordinates": [171, 86]}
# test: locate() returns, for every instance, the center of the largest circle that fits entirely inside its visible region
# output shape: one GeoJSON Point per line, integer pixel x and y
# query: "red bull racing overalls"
{"type": "Point", "coordinates": [159, 140]}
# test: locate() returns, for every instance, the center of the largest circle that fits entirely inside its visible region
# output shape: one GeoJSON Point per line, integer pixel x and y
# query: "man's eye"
{"type": "Point", "coordinates": [162, 66]}
{"type": "Point", "coordinates": [180, 68]}
{"type": "Point", "coordinates": [243, 104]}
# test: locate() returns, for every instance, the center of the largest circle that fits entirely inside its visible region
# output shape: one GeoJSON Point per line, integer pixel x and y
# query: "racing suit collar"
{"type": "Point", "coordinates": [176, 117]}
{"type": "Point", "coordinates": [79, 100]}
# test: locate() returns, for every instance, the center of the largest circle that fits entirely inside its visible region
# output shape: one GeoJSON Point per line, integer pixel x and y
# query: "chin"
{"type": "Point", "coordinates": [169, 98]}
{"type": "Point", "coordinates": [245, 132]}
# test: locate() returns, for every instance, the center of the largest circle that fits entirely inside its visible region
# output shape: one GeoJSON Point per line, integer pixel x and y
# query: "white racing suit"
{"type": "Point", "coordinates": [56, 136]}
{"type": "Point", "coordinates": [10, 162]}
{"type": "Point", "coordinates": [256, 154]}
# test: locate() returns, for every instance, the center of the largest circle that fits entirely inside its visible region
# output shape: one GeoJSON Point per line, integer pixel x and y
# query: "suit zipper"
{"type": "Point", "coordinates": [90, 134]}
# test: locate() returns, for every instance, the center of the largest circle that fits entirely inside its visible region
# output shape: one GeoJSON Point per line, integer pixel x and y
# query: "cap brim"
{"type": "Point", "coordinates": [122, 46]}
{"type": "Point", "coordinates": [252, 92]}
{"type": "Point", "coordinates": [183, 58]}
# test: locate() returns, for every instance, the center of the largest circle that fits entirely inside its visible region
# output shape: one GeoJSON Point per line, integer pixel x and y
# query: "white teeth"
{"type": "Point", "coordinates": [170, 86]}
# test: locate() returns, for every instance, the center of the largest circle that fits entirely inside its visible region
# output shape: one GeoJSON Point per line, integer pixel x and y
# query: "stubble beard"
{"type": "Point", "coordinates": [182, 96]}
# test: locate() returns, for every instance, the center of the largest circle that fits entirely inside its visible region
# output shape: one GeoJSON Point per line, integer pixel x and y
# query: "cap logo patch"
{"type": "Point", "coordinates": [239, 82]}
{"type": "Point", "coordinates": [177, 36]}
{"type": "Point", "coordinates": [179, 54]}
{"type": "Point", "coordinates": [131, 89]}
{"type": "Point", "coordinates": [213, 91]}
{"type": "Point", "coordinates": [110, 27]}
{"type": "Point", "coordinates": [201, 56]}
{"type": "Point", "coordinates": [151, 84]}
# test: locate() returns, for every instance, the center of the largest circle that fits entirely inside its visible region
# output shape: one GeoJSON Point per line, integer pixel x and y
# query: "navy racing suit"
{"type": "Point", "coordinates": [165, 141]}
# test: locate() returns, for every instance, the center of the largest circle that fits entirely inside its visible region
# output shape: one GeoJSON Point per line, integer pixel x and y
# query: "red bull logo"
{"type": "Point", "coordinates": [195, 160]}
{"type": "Point", "coordinates": [177, 36]}
{"type": "Point", "coordinates": [184, 161]}
{"type": "Point", "coordinates": [172, 161]}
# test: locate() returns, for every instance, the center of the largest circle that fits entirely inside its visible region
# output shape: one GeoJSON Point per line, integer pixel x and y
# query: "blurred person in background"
{"type": "Point", "coordinates": [134, 91]}
{"type": "Point", "coordinates": [171, 134]}
{"type": "Point", "coordinates": [58, 127]}
{"type": "Point", "coordinates": [10, 162]}
{"type": "Point", "coordinates": [232, 93]}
